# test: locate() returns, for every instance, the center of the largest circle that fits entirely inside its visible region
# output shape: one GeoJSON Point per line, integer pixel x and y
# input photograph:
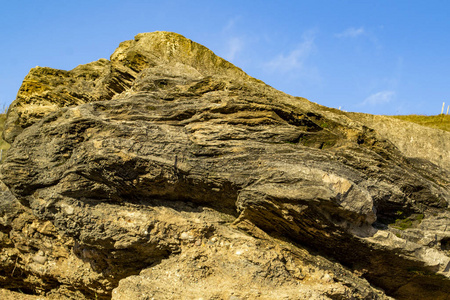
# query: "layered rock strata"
{"type": "Point", "coordinates": [167, 172]}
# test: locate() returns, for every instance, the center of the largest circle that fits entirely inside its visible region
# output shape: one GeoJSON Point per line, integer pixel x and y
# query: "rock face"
{"type": "Point", "coordinates": [432, 145]}
{"type": "Point", "coordinates": [167, 172]}
{"type": "Point", "coordinates": [45, 90]}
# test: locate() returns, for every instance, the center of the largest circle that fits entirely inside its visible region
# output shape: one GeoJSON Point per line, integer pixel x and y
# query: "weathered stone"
{"type": "Point", "coordinates": [411, 139]}
{"type": "Point", "coordinates": [149, 168]}
{"type": "Point", "coordinates": [160, 53]}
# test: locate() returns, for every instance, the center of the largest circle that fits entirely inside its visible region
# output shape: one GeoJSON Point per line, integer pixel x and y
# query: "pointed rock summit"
{"type": "Point", "coordinates": [166, 171]}
{"type": "Point", "coordinates": [165, 53]}
{"type": "Point", "coordinates": [167, 48]}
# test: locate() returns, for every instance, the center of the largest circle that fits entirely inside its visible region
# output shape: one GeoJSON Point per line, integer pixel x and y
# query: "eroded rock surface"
{"type": "Point", "coordinates": [167, 172]}
{"type": "Point", "coordinates": [430, 144]}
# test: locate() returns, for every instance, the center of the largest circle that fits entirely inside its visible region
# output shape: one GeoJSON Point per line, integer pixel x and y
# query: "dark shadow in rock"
{"type": "Point", "coordinates": [397, 276]}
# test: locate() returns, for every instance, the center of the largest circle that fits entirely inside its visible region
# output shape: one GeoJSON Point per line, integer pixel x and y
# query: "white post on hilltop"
{"type": "Point", "coordinates": [448, 108]}
{"type": "Point", "coordinates": [443, 106]}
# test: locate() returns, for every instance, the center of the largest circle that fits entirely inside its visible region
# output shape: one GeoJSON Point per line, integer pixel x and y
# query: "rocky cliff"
{"type": "Point", "coordinates": [168, 173]}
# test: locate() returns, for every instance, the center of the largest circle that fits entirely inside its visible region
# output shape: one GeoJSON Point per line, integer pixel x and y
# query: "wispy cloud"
{"type": "Point", "coordinates": [234, 46]}
{"type": "Point", "coordinates": [296, 58]}
{"type": "Point", "coordinates": [233, 40]}
{"type": "Point", "coordinates": [379, 98]}
{"type": "Point", "coordinates": [231, 24]}
{"type": "Point", "coordinates": [351, 32]}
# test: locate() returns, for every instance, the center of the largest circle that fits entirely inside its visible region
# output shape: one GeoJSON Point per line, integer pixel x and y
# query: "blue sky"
{"type": "Point", "coordinates": [379, 57]}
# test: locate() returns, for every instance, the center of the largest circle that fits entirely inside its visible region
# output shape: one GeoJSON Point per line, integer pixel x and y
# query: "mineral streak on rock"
{"type": "Point", "coordinates": [167, 172]}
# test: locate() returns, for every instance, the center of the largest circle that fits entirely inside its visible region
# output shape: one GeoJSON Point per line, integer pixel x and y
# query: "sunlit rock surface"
{"type": "Point", "coordinates": [167, 172]}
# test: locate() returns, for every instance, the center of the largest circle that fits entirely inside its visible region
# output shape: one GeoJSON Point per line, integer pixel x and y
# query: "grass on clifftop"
{"type": "Point", "coordinates": [439, 121]}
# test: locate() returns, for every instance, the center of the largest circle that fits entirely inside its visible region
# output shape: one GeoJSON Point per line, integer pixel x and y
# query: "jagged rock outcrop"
{"type": "Point", "coordinates": [167, 172]}
{"type": "Point", "coordinates": [45, 89]}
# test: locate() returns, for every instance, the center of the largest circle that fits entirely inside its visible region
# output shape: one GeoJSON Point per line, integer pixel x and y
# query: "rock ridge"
{"type": "Point", "coordinates": [45, 89]}
{"type": "Point", "coordinates": [164, 170]}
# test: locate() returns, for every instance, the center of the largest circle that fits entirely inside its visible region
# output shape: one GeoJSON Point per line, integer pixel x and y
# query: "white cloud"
{"type": "Point", "coordinates": [379, 98]}
{"type": "Point", "coordinates": [294, 60]}
{"type": "Point", "coordinates": [231, 24]}
{"type": "Point", "coordinates": [234, 43]}
{"type": "Point", "coordinates": [351, 32]}
{"type": "Point", "coordinates": [234, 46]}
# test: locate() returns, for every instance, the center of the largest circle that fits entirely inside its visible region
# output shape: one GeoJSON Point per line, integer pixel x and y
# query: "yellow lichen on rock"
{"type": "Point", "coordinates": [50, 88]}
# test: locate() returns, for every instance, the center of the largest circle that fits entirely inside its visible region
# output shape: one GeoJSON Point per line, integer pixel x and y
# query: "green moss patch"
{"type": "Point", "coordinates": [412, 221]}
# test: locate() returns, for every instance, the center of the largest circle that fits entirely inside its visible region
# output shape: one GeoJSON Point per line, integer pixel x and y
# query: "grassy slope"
{"type": "Point", "coordinates": [439, 121]}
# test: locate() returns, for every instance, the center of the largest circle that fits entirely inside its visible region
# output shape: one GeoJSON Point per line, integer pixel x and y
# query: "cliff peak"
{"type": "Point", "coordinates": [45, 89]}
{"type": "Point", "coordinates": [161, 47]}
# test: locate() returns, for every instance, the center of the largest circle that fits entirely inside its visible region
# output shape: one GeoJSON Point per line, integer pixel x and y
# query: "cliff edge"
{"type": "Point", "coordinates": [167, 172]}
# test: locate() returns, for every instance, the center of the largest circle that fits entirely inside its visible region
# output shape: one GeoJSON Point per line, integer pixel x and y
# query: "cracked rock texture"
{"type": "Point", "coordinates": [168, 173]}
